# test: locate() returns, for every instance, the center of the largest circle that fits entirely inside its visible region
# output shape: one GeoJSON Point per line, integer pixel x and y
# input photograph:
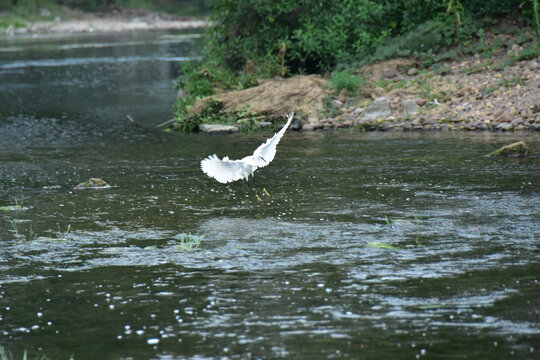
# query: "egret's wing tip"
{"type": "Point", "coordinates": [222, 170]}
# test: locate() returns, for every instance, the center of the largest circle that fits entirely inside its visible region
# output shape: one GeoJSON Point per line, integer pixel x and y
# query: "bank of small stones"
{"type": "Point", "coordinates": [473, 94]}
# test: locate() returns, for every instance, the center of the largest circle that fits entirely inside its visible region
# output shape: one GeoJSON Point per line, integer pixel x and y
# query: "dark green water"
{"type": "Point", "coordinates": [290, 277]}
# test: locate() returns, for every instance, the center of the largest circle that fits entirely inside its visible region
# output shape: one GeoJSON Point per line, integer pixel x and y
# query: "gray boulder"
{"type": "Point", "coordinates": [218, 129]}
{"type": "Point", "coordinates": [379, 108]}
{"type": "Point", "coordinates": [410, 107]}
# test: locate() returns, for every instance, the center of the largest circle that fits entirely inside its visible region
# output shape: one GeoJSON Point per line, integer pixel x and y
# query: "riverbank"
{"type": "Point", "coordinates": [114, 19]}
{"type": "Point", "coordinates": [500, 93]}
{"type": "Point", "coordinates": [496, 93]}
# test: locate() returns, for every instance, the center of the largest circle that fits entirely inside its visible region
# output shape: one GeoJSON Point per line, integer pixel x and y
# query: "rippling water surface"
{"type": "Point", "coordinates": [377, 245]}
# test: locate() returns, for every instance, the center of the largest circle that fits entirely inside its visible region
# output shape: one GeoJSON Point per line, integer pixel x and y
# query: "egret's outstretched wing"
{"type": "Point", "coordinates": [267, 150]}
{"type": "Point", "coordinates": [224, 170]}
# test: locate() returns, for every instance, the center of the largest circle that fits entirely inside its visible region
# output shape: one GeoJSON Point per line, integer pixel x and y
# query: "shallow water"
{"type": "Point", "coordinates": [298, 275]}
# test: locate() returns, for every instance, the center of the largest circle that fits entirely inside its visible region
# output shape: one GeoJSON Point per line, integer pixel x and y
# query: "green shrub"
{"type": "Point", "coordinates": [344, 80]}
{"type": "Point", "coordinates": [530, 52]}
{"type": "Point", "coordinates": [319, 34]}
{"type": "Point", "coordinates": [12, 21]}
{"type": "Point", "coordinates": [211, 112]}
{"type": "Point", "coordinates": [425, 39]}
{"type": "Point", "coordinates": [287, 37]}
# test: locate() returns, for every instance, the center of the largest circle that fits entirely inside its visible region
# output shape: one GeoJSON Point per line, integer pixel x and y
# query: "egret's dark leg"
{"type": "Point", "coordinates": [260, 186]}
{"type": "Point", "coordinates": [253, 191]}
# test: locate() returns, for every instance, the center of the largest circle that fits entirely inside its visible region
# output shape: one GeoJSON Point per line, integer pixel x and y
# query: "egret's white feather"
{"type": "Point", "coordinates": [226, 170]}
{"type": "Point", "coordinates": [267, 150]}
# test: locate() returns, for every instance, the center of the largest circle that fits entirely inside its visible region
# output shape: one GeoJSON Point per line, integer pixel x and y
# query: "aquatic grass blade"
{"type": "Point", "coordinates": [381, 245]}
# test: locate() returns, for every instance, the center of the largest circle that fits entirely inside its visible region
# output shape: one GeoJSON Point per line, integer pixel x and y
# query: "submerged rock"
{"type": "Point", "coordinates": [297, 125]}
{"type": "Point", "coordinates": [218, 129]}
{"type": "Point", "coordinates": [93, 183]}
{"type": "Point", "coordinates": [517, 149]}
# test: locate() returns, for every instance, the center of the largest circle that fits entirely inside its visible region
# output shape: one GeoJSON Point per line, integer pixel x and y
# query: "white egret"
{"type": "Point", "coordinates": [226, 170]}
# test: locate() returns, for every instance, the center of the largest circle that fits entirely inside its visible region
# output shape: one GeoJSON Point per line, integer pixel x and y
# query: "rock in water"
{"type": "Point", "coordinates": [93, 183]}
{"type": "Point", "coordinates": [297, 125]}
{"type": "Point", "coordinates": [517, 149]}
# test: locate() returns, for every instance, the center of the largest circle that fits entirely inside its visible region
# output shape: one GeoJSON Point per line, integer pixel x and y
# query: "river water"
{"type": "Point", "coordinates": [371, 245]}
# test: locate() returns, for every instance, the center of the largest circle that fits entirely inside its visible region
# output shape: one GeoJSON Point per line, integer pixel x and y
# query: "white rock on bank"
{"type": "Point", "coordinates": [218, 129]}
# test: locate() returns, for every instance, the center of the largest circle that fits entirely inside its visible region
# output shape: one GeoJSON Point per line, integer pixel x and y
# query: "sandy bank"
{"type": "Point", "coordinates": [113, 20]}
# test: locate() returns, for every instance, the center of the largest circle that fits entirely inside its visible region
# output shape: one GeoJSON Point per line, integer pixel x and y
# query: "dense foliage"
{"type": "Point", "coordinates": [316, 35]}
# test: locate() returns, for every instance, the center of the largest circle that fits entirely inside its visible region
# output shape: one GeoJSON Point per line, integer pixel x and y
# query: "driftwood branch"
{"type": "Point", "coordinates": [166, 123]}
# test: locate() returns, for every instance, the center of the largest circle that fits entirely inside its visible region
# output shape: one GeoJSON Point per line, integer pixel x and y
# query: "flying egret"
{"type": "Point", "coordinates": [226, 170]}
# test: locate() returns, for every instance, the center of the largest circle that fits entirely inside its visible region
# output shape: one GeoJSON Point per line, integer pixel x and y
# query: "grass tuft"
{"type": "Point", "coordinates": [62, 235]}
{"type": "Point", "coordinates": [189, 242]}
{"type": "Point", "coordinates": [344, 80]}
{"type": "Point", "coordinates": [17, 207]}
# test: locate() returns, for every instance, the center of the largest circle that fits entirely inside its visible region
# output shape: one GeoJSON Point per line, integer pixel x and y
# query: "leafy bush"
{"type": "Point", "coordinates": [316, 35]}
{"type": "Point", "coordinates": [14, 21]}
{"type": "Point", "coordinates": [528, 53]}
{"type": "Point", "coordinates": [190, 123]}
{"type": "Point", "coordinates": [426, 38]}
{"type": "Point", "coordinates": [344, 80]}
{"type": "Point", "coordinates": [286, 37]}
